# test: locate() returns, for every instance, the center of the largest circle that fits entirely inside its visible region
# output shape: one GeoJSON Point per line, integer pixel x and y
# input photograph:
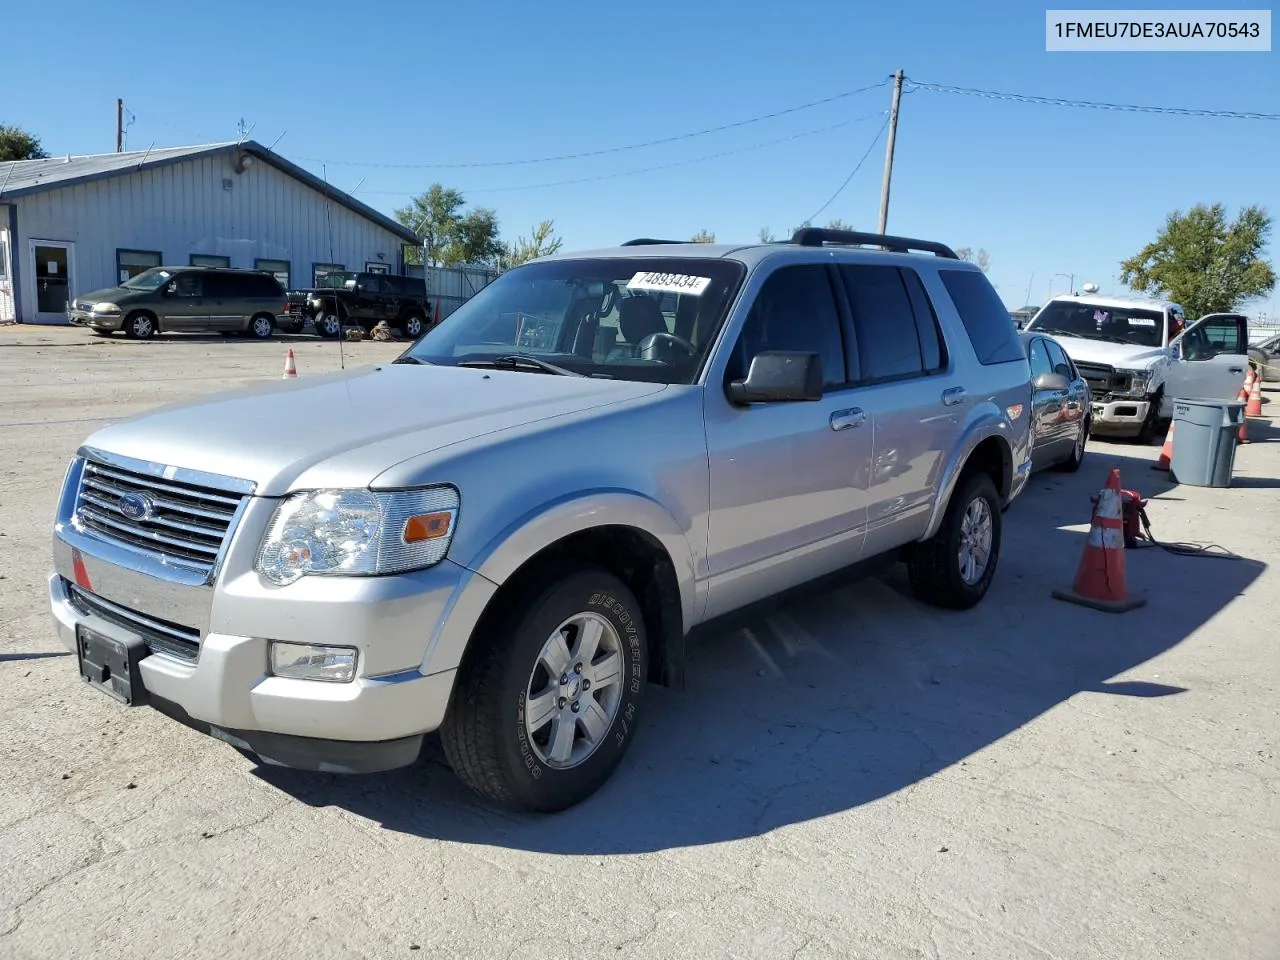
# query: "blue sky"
{"type": "Point", "coordinates": [1046, 190]}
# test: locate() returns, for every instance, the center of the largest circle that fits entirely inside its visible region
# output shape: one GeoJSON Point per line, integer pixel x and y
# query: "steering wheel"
{"type": "Point", "coordinates": [665, 348]}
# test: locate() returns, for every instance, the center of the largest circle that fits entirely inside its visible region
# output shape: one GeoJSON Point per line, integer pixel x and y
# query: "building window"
{"type": "Point", "coordinates": [209, 260]}
{"type": "Point", "coordinates": [320, 270]}
{"type": "Point", "coordinates": [277, 268]}
{"type": "Point", "coordinates": [4, 259]}
{"type": "Point", "coordinates": [374, 266]}
{"type": "Point", "coordinates": [130, 263]}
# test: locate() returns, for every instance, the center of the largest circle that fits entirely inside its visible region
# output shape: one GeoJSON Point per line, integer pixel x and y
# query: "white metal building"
{"type": "Point", "coordinates": [69, 225]}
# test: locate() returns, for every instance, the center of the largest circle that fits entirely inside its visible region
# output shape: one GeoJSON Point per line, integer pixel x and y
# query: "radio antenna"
{"type": "Point", "coordinates": [328, 217]}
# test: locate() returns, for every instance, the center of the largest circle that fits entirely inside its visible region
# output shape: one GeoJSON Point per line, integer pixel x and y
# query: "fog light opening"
{"type": "Point", "coordinates": [303, 661]}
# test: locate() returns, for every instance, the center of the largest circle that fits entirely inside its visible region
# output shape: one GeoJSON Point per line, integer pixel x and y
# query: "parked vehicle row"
{"type": "Point", "coordinates": [251, 303]}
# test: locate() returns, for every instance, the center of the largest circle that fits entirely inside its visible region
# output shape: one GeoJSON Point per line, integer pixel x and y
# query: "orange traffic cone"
{"type": "Point", "coordinates": [1254, 407]}
{"type": "Point", "coordinates": [1166, 452]}
{"type": "Point", "coordinates": [290, 370]}
{"type": "Point", "coordinates": [1100, 579]}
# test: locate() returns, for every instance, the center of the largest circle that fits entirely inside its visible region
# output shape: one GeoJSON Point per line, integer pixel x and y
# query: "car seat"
{"type": "Point", "coordinates": [638, 317]}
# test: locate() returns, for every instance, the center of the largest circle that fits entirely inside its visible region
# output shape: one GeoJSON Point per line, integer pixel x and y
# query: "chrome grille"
{"type": "Point", "coordinates": [1102, 379]}
{"type": "Point", "coordinates": [173, 639]}
{"type": "Point", "coordinates": [182, 523]}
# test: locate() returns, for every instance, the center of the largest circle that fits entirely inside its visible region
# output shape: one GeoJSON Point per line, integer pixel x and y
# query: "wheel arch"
{"type": "Point", "coordinates": [987, 448]}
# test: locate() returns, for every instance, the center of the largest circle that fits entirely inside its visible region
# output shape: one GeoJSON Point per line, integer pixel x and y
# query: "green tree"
{"type": "Point", "coordinates": [434, 216]}
{"type": "Point", "coordinates": [542, 242]}
{"type": "Point", "coordinates": [703, 236]}
{"type": "Point", "coordinates": [981, 258]}
{"type": "Point", "coordinates": [17, 144]}
{"type": "Point", "coordinates": [1204, 263]}
{"type": "Point", "coordinates": [766, 235]}
{"type": "Point", "coordinates": [475, 240]}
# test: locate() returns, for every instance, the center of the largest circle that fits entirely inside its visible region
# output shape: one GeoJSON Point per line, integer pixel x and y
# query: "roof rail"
{"type": "Point", "coordinates": [648, 242]}
{"type": "Point", "coordinates": [817, 236]}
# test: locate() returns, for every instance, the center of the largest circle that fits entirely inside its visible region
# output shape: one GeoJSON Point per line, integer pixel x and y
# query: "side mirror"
{"type": "Point", "coordinates": [777, 376]}
{"type": "Point", "coordinates": [1053, 382]}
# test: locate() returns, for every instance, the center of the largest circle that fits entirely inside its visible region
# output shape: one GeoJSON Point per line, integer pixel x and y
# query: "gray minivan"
{"type": "Point", "coordinates": [183, 300]}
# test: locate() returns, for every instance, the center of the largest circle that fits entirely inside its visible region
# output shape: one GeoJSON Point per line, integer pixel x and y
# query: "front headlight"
{"type": "Point", "coordinates": [1138, 380]}
{"type": "Point", "coordinates": [106, 308]}
{"type": "Point", "coordinates": [357, 533]}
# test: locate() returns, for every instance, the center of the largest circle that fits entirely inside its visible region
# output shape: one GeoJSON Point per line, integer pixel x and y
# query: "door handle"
{"type": "Point", "coordinates": [1236, 369]}
{"type": "Point", "coordinates": [953, 396]}
{"type": "Point", "coordinates": [846, 419]}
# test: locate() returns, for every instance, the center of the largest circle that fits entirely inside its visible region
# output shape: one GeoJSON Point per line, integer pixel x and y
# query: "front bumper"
{"type": "Point", "coordinates": [409, 631]}
{"type": "Point", "coordinates": [98, 321]}
{"type": "Point", "coordinates": [1119, 417]}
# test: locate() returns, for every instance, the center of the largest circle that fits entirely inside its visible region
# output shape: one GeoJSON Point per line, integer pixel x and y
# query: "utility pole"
{"type": "Point", "coordinates": [119, 125]}
{"type": "Point", "coordinates": [888, 150]}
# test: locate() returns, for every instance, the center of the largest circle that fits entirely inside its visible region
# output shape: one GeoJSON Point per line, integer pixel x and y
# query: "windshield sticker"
{"type": "Point", "coordinates": [1100, 316]}
{"type": "Point", "coordinates": [669, 283]}
{"type": "Point", "coordinates": [1141, 322]}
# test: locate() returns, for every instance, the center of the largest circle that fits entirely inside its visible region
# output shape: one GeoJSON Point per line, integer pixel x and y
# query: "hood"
{"type": "Point", "coordinates": [109, 295]}
{"type": "Point", "coordinates": [1120, 355]}
{"type": "Point", "coordinates": [344, 429]}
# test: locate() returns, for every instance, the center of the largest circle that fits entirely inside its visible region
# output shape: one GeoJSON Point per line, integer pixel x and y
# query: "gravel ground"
{"type": "Point", "coordinates": [857, 776]}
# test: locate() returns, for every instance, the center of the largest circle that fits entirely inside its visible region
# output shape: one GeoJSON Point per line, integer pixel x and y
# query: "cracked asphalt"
{"type": "Point", "coordinates": [854, 776]}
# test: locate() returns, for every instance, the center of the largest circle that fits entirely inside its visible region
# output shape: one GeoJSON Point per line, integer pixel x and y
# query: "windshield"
{"type": "Point", "coordinates": [335, 281]}
{"type": "Point", "coordinates": [149, 279]}
{"type": "Point", "coordinates": [1136, 325]}
{"type": "Point", "coordinates": [647, 319]}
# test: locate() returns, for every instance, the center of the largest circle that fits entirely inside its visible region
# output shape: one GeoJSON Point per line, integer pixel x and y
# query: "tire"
{"type": "Point", "coordinates": [1077, 452]}
{"type": "Point", "coordinates": [490, 738]}
{"type": "Point", "coordinates": [327, 325]}
{"type": "Point", "coordinates": [262, 326]}
{"type": "Point", "coordinates": [140, 325]}
{"type": "Point", "coordinates": [413, 325]}
{"type": "Point", "coordinates": [1151, 426]}
{"type": "Point", "coordinates": [935, 567]}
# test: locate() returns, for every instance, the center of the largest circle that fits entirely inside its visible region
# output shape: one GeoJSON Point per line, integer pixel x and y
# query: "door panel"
{"type": "Point", "coordinates": [1047, 407]}
{"type": "Point", "coordinates": [788, 480]}
{"type": "Point", "coordinates": [1213, 359]}
{"type": "Point", "coordinates": [184, 306]}
{"type": "Point", "coordinates": [54, 263]}
{"type": "Point", "coordinates": [1073, 402]}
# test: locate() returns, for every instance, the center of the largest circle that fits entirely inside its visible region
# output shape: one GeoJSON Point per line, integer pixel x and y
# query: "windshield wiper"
{"type": "Point", "coordinates": [517, 360]}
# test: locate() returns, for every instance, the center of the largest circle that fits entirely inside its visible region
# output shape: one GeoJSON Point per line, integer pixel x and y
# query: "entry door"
{"type": "Point", "coordinates": [54, 278]}
{"type": "Point", "coordinates": [1212, 359]}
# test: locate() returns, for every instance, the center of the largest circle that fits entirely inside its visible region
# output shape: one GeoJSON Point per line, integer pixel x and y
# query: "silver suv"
{"type": "Point", "coordinates": [506, 532]}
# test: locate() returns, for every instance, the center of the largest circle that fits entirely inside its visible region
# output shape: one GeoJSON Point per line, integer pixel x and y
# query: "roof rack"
{"type": "Point", "coordinates": [817, 236]}
{"type": "Point", "coordinates": [648, 242]}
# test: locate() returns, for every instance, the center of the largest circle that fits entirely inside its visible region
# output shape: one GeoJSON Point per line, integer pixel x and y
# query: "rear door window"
{"type": "Point", "coordinates": [884, 323]}
{"type": "Point", "coordinates": [985, 318]}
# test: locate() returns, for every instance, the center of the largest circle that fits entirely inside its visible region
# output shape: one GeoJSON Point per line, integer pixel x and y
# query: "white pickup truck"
{"type": "Point", "coordinates": [1139, 355]}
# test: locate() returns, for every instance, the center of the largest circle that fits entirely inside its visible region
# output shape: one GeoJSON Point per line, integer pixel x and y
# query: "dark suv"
{"type": "Point", "coordinates": [364, 300]}
{"type": "Point", "coordinates": [183, 300]}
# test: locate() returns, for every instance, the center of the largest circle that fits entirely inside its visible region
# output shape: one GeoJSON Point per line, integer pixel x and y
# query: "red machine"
{"type": "Point", "coordinates": [1132, 504]}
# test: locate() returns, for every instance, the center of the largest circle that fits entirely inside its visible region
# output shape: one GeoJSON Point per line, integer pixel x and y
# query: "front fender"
{"type": "Point", "coordinates": [988, 421]}
{"type": "Point", "coordinates": [545, 525]}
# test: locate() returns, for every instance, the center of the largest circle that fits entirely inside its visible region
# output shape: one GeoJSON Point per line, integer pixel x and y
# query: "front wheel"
{"type": "Point", "coordinates": [548, 702]}
{"type": "Point", "coordinates": [954, 568]}
{"type": "Point", "coordinates": [140, 326]}
{"type": "Point", "coordinates": [412, 325]}
{"type": "Point", "coordinates": [327, 324]}
{"type": "Point", "coordinates": [1072, 464]}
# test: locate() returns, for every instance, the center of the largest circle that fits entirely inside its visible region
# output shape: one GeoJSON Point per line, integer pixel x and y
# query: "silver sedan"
{"type": "Point", "coordinates": [1060, 405]}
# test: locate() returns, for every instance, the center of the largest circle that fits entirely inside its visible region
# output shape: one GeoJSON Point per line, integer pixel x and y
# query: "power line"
{"type": "Point", "coordinates": [608, 150]}
{"type": "Point", "coordinates": [852, 172]}
{"type": "Point", "coordinates": [660, 166]}
{"type": "Point", "coordinates": [1090, 104]}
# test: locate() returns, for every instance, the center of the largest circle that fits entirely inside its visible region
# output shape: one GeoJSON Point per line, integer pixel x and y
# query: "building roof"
{"type": "Point", "coordinates": [24, 177]}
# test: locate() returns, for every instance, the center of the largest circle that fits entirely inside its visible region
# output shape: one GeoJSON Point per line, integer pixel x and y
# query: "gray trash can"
{"type": "Point", "coordinates": [1204, 441]}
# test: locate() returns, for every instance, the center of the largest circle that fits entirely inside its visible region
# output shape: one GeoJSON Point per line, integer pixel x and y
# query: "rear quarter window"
{"type": "Point", "coordinates": [985, 318]}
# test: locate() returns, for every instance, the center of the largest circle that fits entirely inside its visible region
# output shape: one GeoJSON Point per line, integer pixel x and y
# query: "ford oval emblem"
{"type": "Point", "coordinates": [135, 506]}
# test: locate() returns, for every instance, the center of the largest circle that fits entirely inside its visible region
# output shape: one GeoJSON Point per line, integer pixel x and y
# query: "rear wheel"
{"type": "Point", "coordinates": [262, 326]}
{"type": "Point", "coordinates": [1077, 453]}
{"type": "Point", "coordinates": [140, 326]}
{"type": "Point", "coordinates": [1151, 427]}
{"type": "Point", "coordinates": [954, 567]}
{"type": "Point", "coordinates": [547, 702]}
